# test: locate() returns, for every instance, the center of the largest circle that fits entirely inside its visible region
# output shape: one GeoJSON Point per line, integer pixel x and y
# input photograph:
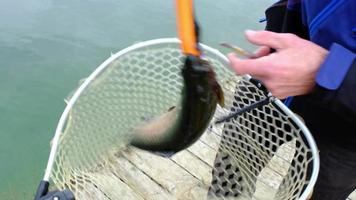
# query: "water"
{"type": "Point", "coordinates": [47, 46]}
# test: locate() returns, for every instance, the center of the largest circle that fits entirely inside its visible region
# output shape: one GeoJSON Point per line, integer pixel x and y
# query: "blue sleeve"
{"type": "Point", "coordinates": [336, 83]}
{"type": "Point", "coordinates": [335, 67]}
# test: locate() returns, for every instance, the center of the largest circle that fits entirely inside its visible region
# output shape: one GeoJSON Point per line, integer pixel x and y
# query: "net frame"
{"type": "Point", "coordinates": [62, 122]}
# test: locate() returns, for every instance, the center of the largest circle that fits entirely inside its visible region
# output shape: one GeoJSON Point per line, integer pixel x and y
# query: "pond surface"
{"type": "Point", "coordinates": [47, 46]}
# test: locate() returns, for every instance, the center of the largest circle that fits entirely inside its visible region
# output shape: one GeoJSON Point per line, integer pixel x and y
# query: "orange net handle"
{"type": "Point", "coordinates": [186, 28]}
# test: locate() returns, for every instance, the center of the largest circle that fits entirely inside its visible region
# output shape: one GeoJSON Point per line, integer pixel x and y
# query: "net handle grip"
{"type": "Point", "coordinates": [186, 27]}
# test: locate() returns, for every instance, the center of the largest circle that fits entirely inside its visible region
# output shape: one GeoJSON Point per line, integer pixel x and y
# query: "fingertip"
{"type": "Point", "coordinates": [250, 32]}
{"type": "Point", "coordinates": [232, 57]}
{"type": "Point", "coordinates": [236, 64]}
{"type": "Point", "coordinates": [265, 38]}
{"type": "Point", "coordinates": [250, 35]}
{"type": "Point", "coordinates": [254, 37]}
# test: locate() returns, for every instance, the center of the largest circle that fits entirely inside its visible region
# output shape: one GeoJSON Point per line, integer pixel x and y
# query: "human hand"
{"type": "Point", "coordinates": [290, 70]}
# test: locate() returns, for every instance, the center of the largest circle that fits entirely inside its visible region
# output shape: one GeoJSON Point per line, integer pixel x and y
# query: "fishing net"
{"type": "Point", "coordinates": [265, 153]}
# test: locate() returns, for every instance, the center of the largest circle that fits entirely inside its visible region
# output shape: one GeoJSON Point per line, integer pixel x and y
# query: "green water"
{"type": "Point", "coordinates": [47, 46]}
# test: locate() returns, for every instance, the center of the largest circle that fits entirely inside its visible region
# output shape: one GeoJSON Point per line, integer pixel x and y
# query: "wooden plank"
{"type": "Point", "coordinates": [113, 187]}
{"type": "Point", "coordinates": [204, 152]}
{"type": "Point", "coordinates": [137, 180]}
{"type": "Point", "coordinates": [168, 174]}
{"type": "Point", "coordinates": [211, 139]}
{"type": "Point", "coordinates": [281, 161]}
{"type": "Point", "coordinates": [106, 186]}
{"type": "Point", "coordinates": [194, 165]}
{"type": "Point", "coordinates": [90, 193]}
{"type": "Point", "coordinates": [271, 177]}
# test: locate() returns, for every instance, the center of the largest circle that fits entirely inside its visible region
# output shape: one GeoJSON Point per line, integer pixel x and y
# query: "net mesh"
{"type": "Point", "coordinates": [262, 147]}
{"type": "Point", "coordinates": [259, 155]}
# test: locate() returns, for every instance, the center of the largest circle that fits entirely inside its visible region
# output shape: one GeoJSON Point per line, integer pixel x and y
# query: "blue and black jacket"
{"type": "Point", "coordinates": [332, 25]}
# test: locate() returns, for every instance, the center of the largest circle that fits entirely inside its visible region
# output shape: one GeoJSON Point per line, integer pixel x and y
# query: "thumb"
{"type": "Point", "coordinates": [254, 67]}
{"type": "Point", "coordinates": [266, 38]}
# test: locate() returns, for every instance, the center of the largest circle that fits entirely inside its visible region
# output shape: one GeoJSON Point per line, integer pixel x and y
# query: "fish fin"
{"type": "Point", "coordinates": [220, 95]}
{"type": "Point", "coordinates": [165, 154]}
{"type": "Point", "coordinates": [214, 84]}
{"type": "Point", "coordinates": [171, 108]}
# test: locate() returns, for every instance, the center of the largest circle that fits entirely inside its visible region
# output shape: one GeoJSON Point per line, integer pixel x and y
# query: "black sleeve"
{"type": "Point", "coordinates": [342, 100]}
{"type": "Point", "coordinates": [283, 20]}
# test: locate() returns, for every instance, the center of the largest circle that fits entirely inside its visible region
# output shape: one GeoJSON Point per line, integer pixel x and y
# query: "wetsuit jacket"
{"type": "Point", "coordinates": [331, 108]}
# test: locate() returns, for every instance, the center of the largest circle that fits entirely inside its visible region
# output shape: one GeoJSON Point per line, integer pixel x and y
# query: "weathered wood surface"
{"type": "Point", "coordinates": [137, 174]}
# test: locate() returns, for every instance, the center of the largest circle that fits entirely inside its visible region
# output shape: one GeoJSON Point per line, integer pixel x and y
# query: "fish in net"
{"type": "Point", "coordinates": [263, 153]}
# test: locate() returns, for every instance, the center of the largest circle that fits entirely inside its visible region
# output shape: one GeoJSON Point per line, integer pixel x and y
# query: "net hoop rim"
{"type": "Point", "coordinates": [105, 64]}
